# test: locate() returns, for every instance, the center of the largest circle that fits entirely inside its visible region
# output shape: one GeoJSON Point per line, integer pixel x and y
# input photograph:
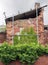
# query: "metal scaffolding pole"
{"type": "Point", "coordinates": [4, 14]}
{"type": "Point", "coordinates": [37, 23]}
{"type": "Point", "coordinates": [13, 30]}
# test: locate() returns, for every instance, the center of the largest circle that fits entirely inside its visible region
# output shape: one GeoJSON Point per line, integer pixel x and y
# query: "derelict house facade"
{"type": "Point", "coordinates": [26, 20]}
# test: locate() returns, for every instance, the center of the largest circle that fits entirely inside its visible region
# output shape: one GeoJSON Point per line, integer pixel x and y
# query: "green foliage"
{"type": "Point", "coordinates": [26, 49]}
{"type": "Point", "coordinates": [24, 52]}
{"type": "Point", "coordinates": [27, 36]}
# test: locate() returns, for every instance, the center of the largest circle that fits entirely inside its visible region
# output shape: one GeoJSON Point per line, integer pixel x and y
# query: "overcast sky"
{"type": "Point", "coordinates": [11, 7]}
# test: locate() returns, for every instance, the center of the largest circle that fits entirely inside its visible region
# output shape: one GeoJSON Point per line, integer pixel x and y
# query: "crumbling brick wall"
{"type": "Point", "coordinates": [46, 36]}
{"type": "Point", "coordinates": [2, 37]}
{"type": "Point", "coordinates": [32, 22]}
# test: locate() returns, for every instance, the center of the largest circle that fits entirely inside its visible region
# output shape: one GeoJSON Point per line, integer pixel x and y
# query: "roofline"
{"type": "Point", "coordinates": [26, 15]}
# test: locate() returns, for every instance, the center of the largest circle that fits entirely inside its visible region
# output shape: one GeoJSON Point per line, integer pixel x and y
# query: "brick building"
{"type": "Point", "coordinates": [2, 33]}
{"type": "Point", "coordinates": [2, 37]}
{"type": "Point", "coordinates": [24, 20]}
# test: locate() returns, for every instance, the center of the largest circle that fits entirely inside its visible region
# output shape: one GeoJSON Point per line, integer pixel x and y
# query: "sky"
{"type": "Point", "coordinates": [11, 8]}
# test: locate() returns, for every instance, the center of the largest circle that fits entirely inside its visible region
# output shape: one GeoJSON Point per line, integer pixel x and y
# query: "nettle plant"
{"type": "Point", "coordinates": [26, 36]}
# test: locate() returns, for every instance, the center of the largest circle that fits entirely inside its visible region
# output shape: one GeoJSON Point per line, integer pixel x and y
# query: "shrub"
{"type": "Point", "coordinates": [24, 52]}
